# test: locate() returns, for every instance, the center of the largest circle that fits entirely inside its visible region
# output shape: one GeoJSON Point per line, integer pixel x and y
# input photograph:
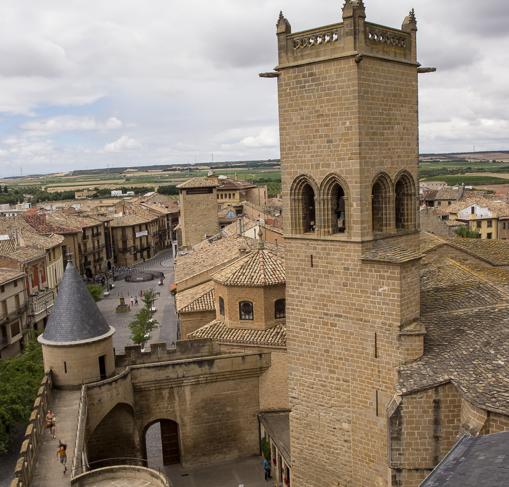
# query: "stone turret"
{"type": "Point", "coordinates": [77, 344]}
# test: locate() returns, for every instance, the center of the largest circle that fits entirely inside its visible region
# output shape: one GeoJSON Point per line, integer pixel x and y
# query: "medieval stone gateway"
{"type": "Point", "coordinates": [207, 407]}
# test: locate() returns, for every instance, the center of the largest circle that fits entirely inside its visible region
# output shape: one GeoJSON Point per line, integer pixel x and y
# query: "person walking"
{"type": "Point", "coordinates": [136, 300]}
{"type": "Point", "coordinates": [51, 423]}
{"type": "Point", "coordinates": [131, 300]}
{"type": "Point", "coordinates": [266, 469]}
{"type": "Point", "coordinates": [62, 455]}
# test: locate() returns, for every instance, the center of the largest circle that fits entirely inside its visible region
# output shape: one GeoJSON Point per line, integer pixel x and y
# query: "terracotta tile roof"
{"type": "Point", "coordinates": [465, 311]}
{"type": "Point", "coordinates": [428, 242]}
{"type": "Point", "coordinates": [218, 331]}
{"type": "Point", "coordinates": [446, 193]}
{"type": "Point", "coordinates": [233, 184]}
{"type": "Point", "coordinates": [386, 251]}
{"type": "Point", "coordinates": [135, 218]}
{"type": "Point", "coordinates": [198, 298]}
{"type": "Point", "coordinates": [198, 183]}
{"type": "Point", "coordinates": [258, 268]}
{"type": "Point", "coordinates": [469, 349]}
{"type": "Point", "coordinates": [73, 220]}
{"type": "Point", "coordinates": [498, 207]}
{"type": "Point", "coordinates": [9, 249]}
{"type": "Point", "coordinates": [7, 275]}
{"type": "Point", "coordinates": [496, 252]}
{"type": "Point", "coordinates": [233, 228]}
{"type": "Point", "coordinates": [208, 256]}
{"type": "Point", "coordinates": [448, 286]}
{"type": "Point", "coordinates": [39, 221]}
{"type": "Point", "coordinates": [26, 234]}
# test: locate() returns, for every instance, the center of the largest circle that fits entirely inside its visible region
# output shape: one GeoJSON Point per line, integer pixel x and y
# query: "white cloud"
{"type": "Point", "coordinates": [70, 123]}
{"type": "Point", "coordinates": [187, 86]}
{"type": "Point", "coordinates": [266, 137]}
{"type": "Point", "coordinates": [122, 144]}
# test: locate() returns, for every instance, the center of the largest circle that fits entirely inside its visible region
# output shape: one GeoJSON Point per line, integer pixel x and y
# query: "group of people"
{"type": "Point", "coordinates": [51, 426]}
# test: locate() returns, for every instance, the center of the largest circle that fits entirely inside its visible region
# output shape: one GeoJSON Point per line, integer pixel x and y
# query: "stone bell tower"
{"type": "Point", "coordinates": [349, 157]}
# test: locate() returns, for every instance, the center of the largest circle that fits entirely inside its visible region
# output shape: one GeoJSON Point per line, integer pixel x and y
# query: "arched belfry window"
{"type": "Point", "coordinates": [303, 209]}
{"type": "Point", "coordinates": [405, 202]}
{"type": "Point", "coordinates": [334, 197]}
{"type": "Point", "coordinates": [280, 308]}
{"type": "Point", "coordinates": [308, 209]}
{"type": "Point", "coordinates": [246, 310]}
{"type": "Point", "coordinates": [381, 204]}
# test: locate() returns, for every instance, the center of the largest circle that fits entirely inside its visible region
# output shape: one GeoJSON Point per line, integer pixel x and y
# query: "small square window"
{"type": "Point", "coordinates": [246, 311]}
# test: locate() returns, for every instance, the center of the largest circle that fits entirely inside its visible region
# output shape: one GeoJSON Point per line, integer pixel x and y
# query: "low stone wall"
{"type": "Point", "coordinates": [124, 473]}
{"type": "Point", "coordinates": [160, 353]}
{"type": "Point", "coordinates": [79, 461]}
{"type": "Point", "coordinates": [35, 429]}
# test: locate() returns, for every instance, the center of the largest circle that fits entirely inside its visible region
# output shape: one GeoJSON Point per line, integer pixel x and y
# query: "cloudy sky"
{"type": "Point", "coordinates": [122, 82]}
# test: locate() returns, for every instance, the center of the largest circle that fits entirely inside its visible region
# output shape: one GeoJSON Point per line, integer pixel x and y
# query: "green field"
{"type": "Point", "coordinates": [468, 180]}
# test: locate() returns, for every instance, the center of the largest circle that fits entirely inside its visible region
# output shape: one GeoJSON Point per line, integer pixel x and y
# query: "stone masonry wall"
{"type": "Point", "coordinates": [190, 322]}
{"type": "Point", "coordinates": [353, 118]}
{"type": "Point", "coordinates": [198, 216]}
{"type": "Point", "coordinates": [428, 425]}
{"type": "Point", "coordinates": [214, 400]}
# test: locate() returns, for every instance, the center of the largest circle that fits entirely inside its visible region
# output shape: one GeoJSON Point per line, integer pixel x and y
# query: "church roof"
{"type": "Point", "coordinates": [199, 182]}
{"type": "Point", "coordinates": [75, 316]}
{"type": "Point", "coordinates": [218, 331]}
{"type": "Point", "coordinates": [258, 268]}
{"type": "Point", "coordinates": [198, 298]}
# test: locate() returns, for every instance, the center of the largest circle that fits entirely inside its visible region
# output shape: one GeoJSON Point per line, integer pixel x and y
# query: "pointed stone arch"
{"type": "Point", "coordinates": [382, 204]}
{"type": "Point", "coordinates": [303, 205]}
{"type": "Point", "coordinates": [405, 202]}
{"type": "Point", "coordinates": [335, 205]}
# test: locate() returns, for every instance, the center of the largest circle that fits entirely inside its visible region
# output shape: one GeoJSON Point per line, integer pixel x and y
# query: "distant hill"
{"type": "Point", "coordinates": [483, 156]}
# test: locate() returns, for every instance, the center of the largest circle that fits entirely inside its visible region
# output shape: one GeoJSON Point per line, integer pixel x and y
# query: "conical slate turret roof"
{"type": "Point", "coordinates": [75, 316]}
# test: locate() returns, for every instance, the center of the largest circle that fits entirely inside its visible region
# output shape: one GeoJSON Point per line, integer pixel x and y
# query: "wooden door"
{"type": "Point", "coordinates": [170, 442]}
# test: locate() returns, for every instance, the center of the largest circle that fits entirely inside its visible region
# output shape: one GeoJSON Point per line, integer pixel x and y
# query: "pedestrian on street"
{"type": "Point", "coordinates": [136, 300]}
{"type": "Point", "coordinates": [62, 454]}
{"type": "Point", "coordinates": [266, 469]}
{"type": "Point", "coordinates": [51, 423]}
{"type": "Point", "coordinates": [131, 300]}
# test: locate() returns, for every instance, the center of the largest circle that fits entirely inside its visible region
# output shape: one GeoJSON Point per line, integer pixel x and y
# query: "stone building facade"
{"type": "Point", "coordinates": [13, 312]}
{"type": "Point", "coordinates": [198, 210]}
{"type": "Point", "coordinates": [349, 155]}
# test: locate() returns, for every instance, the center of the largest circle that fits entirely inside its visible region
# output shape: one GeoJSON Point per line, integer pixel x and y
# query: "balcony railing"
{"type": "Point", "coordinates": [41, 302]}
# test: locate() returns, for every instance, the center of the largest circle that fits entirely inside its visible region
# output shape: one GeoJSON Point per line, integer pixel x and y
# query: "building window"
{"type": "Point", "coordinates": [15, 283]}
{"type": "Point", "coordinates": [489, 235]}
{"type": "Point", "coordinates": [472, 210]}
{"type": "Point", "coordinates": [490, 223]}
{"type": "Point", "coordinates": [333, 192]}
{"type": "Point", "coordinates": [478, 223]}
{"type": "Point", "coordinates": [15, 329]}
{"type": "Point", "coordinates": [405, 203]}
{"type": "Point", "coordinates": [303, 212]}
{"type": "Point", "coordinates": [280, 308]}
{"type": "Point", "coordinates": [380, 204]}
{"type": "Point", "coordinates": [246, 311]}
{"type": "Point", "coordinates": [221, 306]}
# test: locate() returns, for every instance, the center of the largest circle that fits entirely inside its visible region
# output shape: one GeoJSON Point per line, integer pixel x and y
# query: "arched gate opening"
{"type": "Point", "coordinates": [161, 443]}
